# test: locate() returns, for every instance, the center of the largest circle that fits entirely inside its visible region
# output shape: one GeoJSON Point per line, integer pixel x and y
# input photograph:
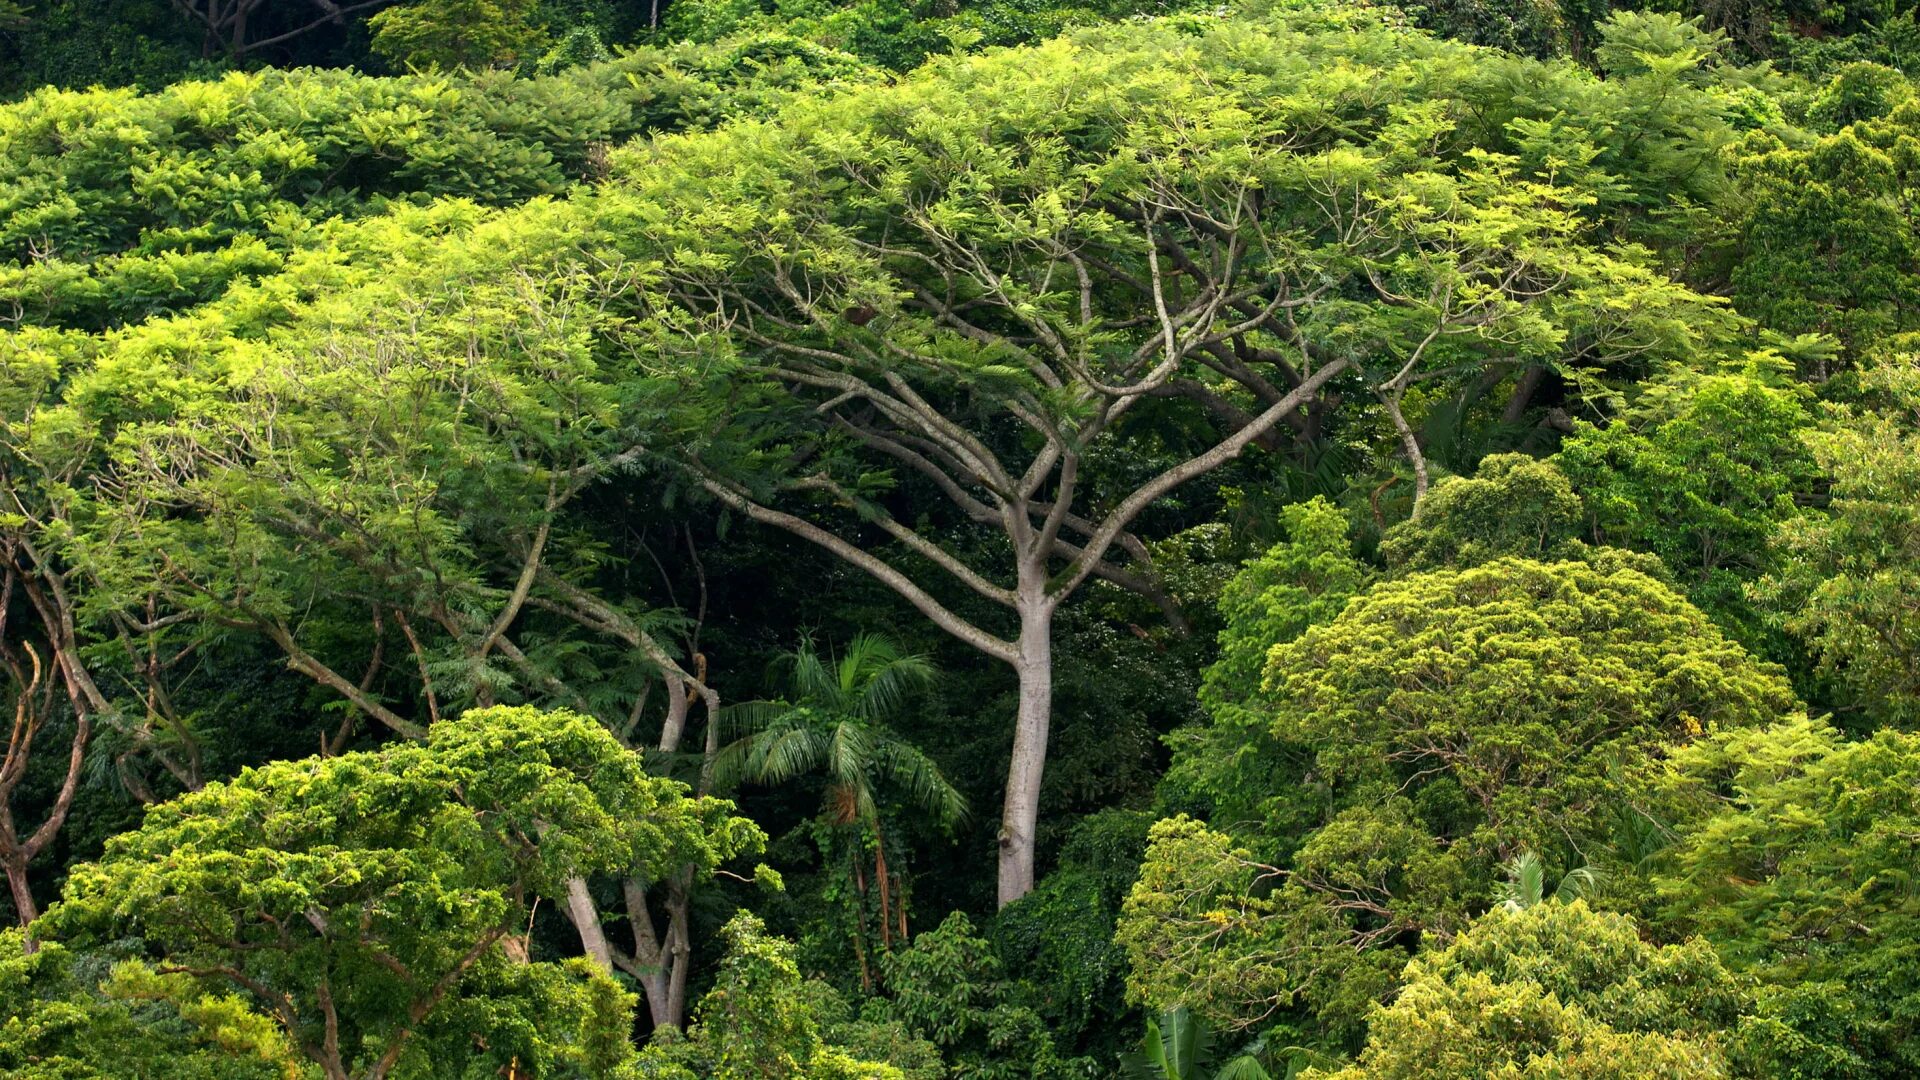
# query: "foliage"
{"type": "Point", "coordinates": [357, 898]}
{"type": "Point", "coordinates": [948, 987]}
{"type": "Point", "coordinates": [1060, 936]}
{"type": "Point", "coordinates": [1513, 506]}
{"type": "Point", "coordinates": [1848, 584]}
{"type": "Point", "coordinates": [1441, 722]}
{"type": "Point", "coordinates": [1304, 580]}
{"type": "Point", "coordinates": [1804, 876]}
{"type": "Point", "coordinates": [756, 1022]}
{"type": "Point", "coordinates": [453, 34]}
{"type": "Point", "coordinates": [1703, 471]}
{"type": "Point", "coordinates": [1825, 246]}
{"type": "Point", "coordinates": [838, 725]}
{"type": "Point", "coordinates": [1551, 363]}
{"type": "Point", "coordinates": [1554, 990]}
{"type": "Point", "coordinates": [74, 1014]}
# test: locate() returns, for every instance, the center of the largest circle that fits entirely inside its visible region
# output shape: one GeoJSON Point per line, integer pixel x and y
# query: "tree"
{"type": "Point", "coordinates": [468, 34]}
{"type": "Point", "coordinates": [33, 707]}
{"type": "Point", "coordinates": [1703, 471]}
{"type": "Point", "coordinates": [886, 309]}
{"type": "Point", "coordinates": [1302, 581]}
{"type": "Point", "coordinates": [64, 1021]}
{"type": "Point", "coordinates": [1797, 863]}
{"type": "Point", "coordinates": [1826, 245]}
{"type": "Point", "coordinates": [950, 988]}
{"type": "Point", "coordinates": [1849, 581]}
{"type": "Point", "coordinates": [1512, 505]}
{"type": "Point", "coordinates": [357, 899]}
{"type": "Point", "coordinates": [839, 723]}
{"type": "Point", "coordinates": [756, 1023]}
{"type": "Point", "coordinates": [1554, 990]}
{"type": "Point", "coordinates": [1440, 724]}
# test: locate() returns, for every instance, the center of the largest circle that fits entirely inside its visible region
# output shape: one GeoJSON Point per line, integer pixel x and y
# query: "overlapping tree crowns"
{"type": "Point", "coordinates": [987, 281]}
{"type": "Point", "coordinates": [1438, 724]}
{"type": "Point", "coordinates": [352, 896]}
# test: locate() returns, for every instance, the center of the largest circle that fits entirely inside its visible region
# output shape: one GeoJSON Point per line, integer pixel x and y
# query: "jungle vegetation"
{"type": "Point", "coordinates": [749, 539]}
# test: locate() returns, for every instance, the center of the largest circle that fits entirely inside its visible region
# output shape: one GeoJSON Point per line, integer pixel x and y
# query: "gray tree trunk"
{"type": "Point", "coordinates": [1020, 815]}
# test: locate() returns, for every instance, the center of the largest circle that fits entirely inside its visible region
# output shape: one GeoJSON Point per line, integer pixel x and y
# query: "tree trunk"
{"type": "Point", "coordinates": [679, 946]}
{"type": "Point", "coordinates": [649, 956]}
{"type": "Point", "coordinates": [586, 919]}
{"type": "Point", "coordinates": [1021, 814]}
{"type": "Point", "coordinates": [23, 904]}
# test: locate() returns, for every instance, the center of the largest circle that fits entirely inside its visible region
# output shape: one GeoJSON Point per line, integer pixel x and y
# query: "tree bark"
{"type": "Point", "coordinates": [586, 918]}
{"type": "Point", "coordinates": [23, 906]}
{"type": "Point", "coordinates": [1020, 815]}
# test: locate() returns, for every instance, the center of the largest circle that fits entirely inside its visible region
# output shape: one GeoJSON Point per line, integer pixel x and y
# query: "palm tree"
{"type": "Point", "coordinates": [834, 722]}
{"type": "Point", "coordinates": [1526, 883]}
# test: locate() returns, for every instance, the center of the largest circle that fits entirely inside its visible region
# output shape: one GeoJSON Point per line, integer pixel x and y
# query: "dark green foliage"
{"type": "Point", "coordinates": [949, 987]}
{"type": "Point", "coordinates": [1060, 937]}
{"type": "Point", "coordinates": [1827, 245]}
{"type": "Point", "coordinates": [1804, 876]}
{"type": "Point", "coordinates": [1704, 471]}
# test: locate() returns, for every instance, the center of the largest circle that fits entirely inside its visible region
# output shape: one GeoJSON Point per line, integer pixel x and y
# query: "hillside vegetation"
{"type": "Point", "coordinates": [980, 540]}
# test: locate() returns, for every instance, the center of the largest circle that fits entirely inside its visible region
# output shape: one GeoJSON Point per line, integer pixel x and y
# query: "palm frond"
{"type": "Point", "coordinates": [1526, 882]}
{"type": "Point", "coordinates": [746, 717]}
{"type": "Point", "coordinates": [849, 751]}
{"type": "Point", "coordinates": [810, 680]}
{"type": "Point", "coordinates": [914, 775]}
{"type": "Point", "coordinates": [876, 678]}
{"type": "Point", "coordinates": [782, 754]}
{"type": "Point", "coordinates": [1244, 1067]}
{"type": "Point", "coordinates": [1580, 882]}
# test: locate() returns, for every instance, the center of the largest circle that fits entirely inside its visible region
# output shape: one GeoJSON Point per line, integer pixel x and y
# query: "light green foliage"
{"type": "Point", "coordinates": [1858, 92]}
{"type": "Point", "coordinates": [1702, 471]}
{"type": "Point", "coordinates": [1439, 723]}
{"type": "Point", "coordinates": [367, 895]}
{"type": "Point", "coordinates": [1850, 579]}
{"type": "Point", "coordinates": [1518, 681]}
{"type": "Point", "coordinates": [1512, 505]}
{"type": "Point", "coordinates": [117, 205]}
{"type": "Point", "coordinates": [1805, 876]}
{"type": "Point", "coordinates": [1556, 990]}
{"type": "Point", "coordinates": [756, 1023]}
{"type": "Point", "coordinates": [72, 1015]}
{"type": "Point", "coordinates": [455, 34]}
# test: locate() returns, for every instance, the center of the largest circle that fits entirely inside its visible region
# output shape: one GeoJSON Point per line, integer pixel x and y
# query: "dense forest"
{"type": "Point", "coordinates": [988, 539]}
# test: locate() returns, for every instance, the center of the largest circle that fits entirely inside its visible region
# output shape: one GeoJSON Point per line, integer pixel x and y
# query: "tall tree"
{"type": "Point", "coordinates": [877, 299]}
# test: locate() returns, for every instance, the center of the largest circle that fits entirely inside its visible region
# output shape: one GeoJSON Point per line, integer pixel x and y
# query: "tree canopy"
{"type": "Point", "coordinates": [963, 538]}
